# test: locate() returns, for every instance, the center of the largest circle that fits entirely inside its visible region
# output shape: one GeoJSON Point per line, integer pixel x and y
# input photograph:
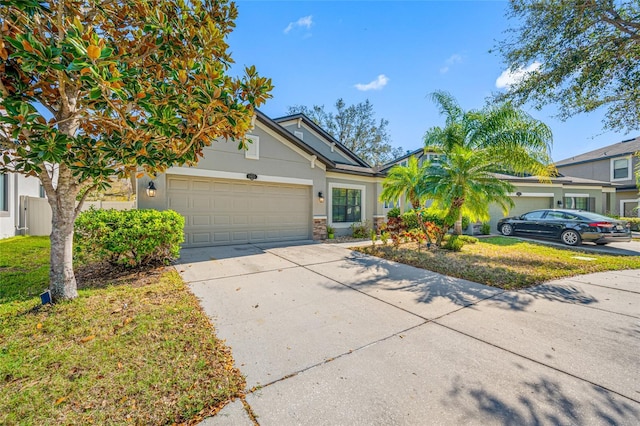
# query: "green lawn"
{"type": "Point", "coordinates": [138, 352]}
{"type": "Point", "coordinates": [507, 263]}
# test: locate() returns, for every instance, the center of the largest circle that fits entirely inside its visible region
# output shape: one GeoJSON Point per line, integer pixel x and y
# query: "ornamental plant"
{"type": "Point", "coordinates": [129, 238]}
{"type": "Point", "coordinates": [91, 90]}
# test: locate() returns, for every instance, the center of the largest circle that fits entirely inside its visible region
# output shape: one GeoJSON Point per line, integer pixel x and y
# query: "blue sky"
{"type": "Point", "coordinates": [393, 53]}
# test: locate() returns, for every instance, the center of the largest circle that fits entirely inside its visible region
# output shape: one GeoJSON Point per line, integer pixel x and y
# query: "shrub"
{"type": "Point", "coordinates": [485, 228]}
{"type": "Point", "coordinates": [467, 239]}
{"type": "Point", "coordinates": [394, 212]}
{"type": "Point", "coordinates": [635, 222]}
{"type": "Point", "coordinates": [130, 238]}
{"type": "Point", "coordinates": [360, 229]}
{"type": "Point", "coordinates": [454, 243]}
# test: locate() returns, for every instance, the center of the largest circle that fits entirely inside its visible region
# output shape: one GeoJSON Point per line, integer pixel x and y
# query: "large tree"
{"type": "Point", "coordinates": [586, 55]}
{"type": "Point", "coordinates": [128, 85]}
{"type": "Point", "coordinates": [475, 143]}
{"type": "Point", "coordinates": [356, 128]}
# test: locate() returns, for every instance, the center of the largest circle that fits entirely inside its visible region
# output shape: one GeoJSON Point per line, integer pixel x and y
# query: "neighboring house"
{"type": "Point", "coordinates": [616, 164]}
{"type": "Point", "coordinates": [14, 187]}
{"type": "Point", "coordinates": [291, 183]}
{"type": "Point", "coordinates": [530, 193]}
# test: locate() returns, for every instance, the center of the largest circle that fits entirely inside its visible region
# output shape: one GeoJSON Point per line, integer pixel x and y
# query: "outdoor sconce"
{"type": "Point", "coordinates": [321, 197]}
{"type": "Point", "coordinates": [559, 203]}
{"type": "Point", "coordinates": [151, 189]}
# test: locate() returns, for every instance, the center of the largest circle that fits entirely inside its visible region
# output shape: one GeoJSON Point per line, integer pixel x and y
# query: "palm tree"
{"type": "Point", "coordinates": [464, 184]}
{"type": "Point", "coordinates": [476, 143]}
{"type": "Point", "coordinates": [405, 182]}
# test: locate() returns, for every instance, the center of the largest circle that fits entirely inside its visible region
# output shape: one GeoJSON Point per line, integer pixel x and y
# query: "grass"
{"type": "Point", "coordinates": [506, 263]}
{"type": "Point", "coordinates": [137, 352]}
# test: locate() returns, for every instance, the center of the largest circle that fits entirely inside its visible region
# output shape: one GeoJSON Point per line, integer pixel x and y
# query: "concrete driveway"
{"type": "Point", "coordinates": [327, 336]}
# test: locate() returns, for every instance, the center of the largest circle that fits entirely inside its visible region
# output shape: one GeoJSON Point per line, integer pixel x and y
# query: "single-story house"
{"type": "Point", "coordinates": [293, 182]}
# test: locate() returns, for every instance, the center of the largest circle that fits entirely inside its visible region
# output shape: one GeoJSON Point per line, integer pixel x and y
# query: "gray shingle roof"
{"type": "Point", "coordinates": [629, 146]}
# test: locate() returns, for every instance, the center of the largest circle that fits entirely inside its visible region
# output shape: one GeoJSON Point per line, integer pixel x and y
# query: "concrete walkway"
{"type": "Point", "coordinates": [327, 336]}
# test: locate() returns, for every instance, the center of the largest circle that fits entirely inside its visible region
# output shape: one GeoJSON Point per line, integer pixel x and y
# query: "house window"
{"type": "Point", "coordinates": [620, 168]}
{"type": "Point", "coordinates": [253, 148]}
{"type": "Point", "coordinates": [4, 192]}
{"type": "Point", "coordinates": [580, 203]}
{"type": "Point", "coordinates": [42, 191]}
{"type": "Point", "coordinates": [346, 205]}
{"type": "Point", "coordinates": [389, 205]}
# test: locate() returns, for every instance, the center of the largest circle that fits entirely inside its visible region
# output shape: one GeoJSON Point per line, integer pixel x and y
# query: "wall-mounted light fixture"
{"type": "Point", "coordinates": [559, 203]}
{"type": "Point", "coordinates": [151, 189]}
{"type": "Point", "coordinates": [519, 194]}
{"type": "Point", "coordinates": [252, 176]}
{"type": "Point", "coordinates": [321, 197]}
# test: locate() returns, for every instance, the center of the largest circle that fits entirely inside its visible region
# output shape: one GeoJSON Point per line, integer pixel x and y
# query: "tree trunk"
{"type": "Point", "coordinates": [457, 227]}
{"type": "Point", "coordinates": [62, 199]}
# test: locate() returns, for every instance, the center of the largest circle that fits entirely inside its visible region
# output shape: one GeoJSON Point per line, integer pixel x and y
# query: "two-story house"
{"type": "Point", "coordinates": [617, 164]}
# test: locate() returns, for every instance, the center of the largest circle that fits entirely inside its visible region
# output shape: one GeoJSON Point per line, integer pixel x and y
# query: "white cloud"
{"type": "Point", "coordinates": [452, 60]}
{"type": "Point", "coordinates": [376, 84]}
{"type": "Point", "coordinates": [304, 22]}
{"type": "Point", "coordinates": [508, 78]}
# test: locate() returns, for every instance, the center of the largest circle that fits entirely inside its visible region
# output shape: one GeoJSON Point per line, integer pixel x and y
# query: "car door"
{"type": "Point", "coordinates": [552, 224]}
{"type": "Point", "coordinates": [529, 222]}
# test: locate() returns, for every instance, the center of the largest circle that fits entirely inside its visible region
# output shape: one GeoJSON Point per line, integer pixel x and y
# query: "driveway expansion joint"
{"type": "Point", "coordinates": [538, 362]}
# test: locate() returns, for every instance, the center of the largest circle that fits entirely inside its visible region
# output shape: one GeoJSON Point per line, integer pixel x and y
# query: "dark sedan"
{"type": "Point", "coordinates": [572, 227]}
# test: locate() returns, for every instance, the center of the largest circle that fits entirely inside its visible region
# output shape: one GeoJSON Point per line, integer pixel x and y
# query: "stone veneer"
{"type": "Point", "coordinates": [378, 221]}
{"type": "Point", "coordinates": [319, 228]}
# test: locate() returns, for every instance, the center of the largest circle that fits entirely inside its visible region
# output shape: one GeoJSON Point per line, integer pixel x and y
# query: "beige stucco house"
{"type": "Point", "coordinates": [291, 183]}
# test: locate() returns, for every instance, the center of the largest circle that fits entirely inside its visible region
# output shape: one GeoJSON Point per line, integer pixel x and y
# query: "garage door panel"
{"type": "Point", "coordinates": [219, 212]}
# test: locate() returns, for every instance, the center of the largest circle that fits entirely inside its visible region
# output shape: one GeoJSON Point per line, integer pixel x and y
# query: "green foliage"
{"type": "Point", "coordinates": [405, 181]}
{"type": "Point", "coordinates": [330, 229]}
{"type": "Point", "coordinates": [455, 243]}
{"type": "Point", "coordinates": [360, 229]}
{"type": "Point", "coordinates": [587, 55]}
{"type": "Point", "coordinates": [634, 221]}
{"type": "Point", "coordinates": [130, 238]}
{"type": "Point", "coordinates": [410, 219]}
{"type": "Point", "coordinates": [485, 228]}
{"type": "Point", "coordinates": [476, 144]}
{"type": "Point", "coordinates": [356, 128]}
{"type": "Point", "coordinates": [394, 212]}
{"type": "Point", "coordinates": [384, 237]}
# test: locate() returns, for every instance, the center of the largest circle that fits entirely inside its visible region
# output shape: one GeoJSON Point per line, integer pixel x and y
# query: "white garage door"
{"type": "Point", "coordinates": [220, 212]}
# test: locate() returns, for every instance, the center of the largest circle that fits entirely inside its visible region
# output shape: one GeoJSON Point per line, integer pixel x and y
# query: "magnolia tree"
{"type": "Point", "coordinates": [92, 90]}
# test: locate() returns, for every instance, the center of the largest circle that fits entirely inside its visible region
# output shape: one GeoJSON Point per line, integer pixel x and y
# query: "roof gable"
{"type": "Point", "coordinates": [321, 141]}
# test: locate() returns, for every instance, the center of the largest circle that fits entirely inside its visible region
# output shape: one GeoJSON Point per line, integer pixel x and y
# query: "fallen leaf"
{"type": "Point", "coordinates": [88, 338]}
{"type": "Point", "coordinates": [39, 326]}
{"type": "Point", "coordinates": [119, 365]}
{"type": "Point", "coordinates": [127, 320]}
{"type": "Point", "coordinates": [60, 400]}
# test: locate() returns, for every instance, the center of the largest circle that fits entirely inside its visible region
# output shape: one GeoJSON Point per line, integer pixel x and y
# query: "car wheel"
{"type": "Point", "coordinates": [570, 238]}
{"type": "Point", "coordinates": [507, 229]}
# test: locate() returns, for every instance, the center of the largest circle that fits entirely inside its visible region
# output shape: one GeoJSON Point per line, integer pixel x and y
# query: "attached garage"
{"type": "Point", "coordinates": [523, 204]}
{"type": "Point", "coordinates": [224, 211]}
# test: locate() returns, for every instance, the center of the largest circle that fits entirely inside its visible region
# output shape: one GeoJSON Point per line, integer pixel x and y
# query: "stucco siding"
{"type": "Point", "coordinates": [319, 144]}
{"type": "Point", "coordinates": [369, 203]}
{"type": "Point", "coordinates": [277, 162]}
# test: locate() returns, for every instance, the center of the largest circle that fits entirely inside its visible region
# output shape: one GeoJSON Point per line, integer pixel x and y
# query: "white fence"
{"type": "Point", "coordinates": [35, 213]}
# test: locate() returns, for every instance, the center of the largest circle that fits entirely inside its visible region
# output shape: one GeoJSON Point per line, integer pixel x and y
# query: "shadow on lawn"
{"type": "Point", "coordinates": [375, 275]}
{"type": "Point", "coordinates": [543, 401]}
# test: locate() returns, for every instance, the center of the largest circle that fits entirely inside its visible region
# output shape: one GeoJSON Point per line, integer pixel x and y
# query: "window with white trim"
{"type": "Point", "coordinates": [346, 205]}
{"type": "Point", "coordinates": [253, 148]}
{"type": "Point", "coordinates": [620, 168]}
{"type": "Point", "coordinates": [4, 192]}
